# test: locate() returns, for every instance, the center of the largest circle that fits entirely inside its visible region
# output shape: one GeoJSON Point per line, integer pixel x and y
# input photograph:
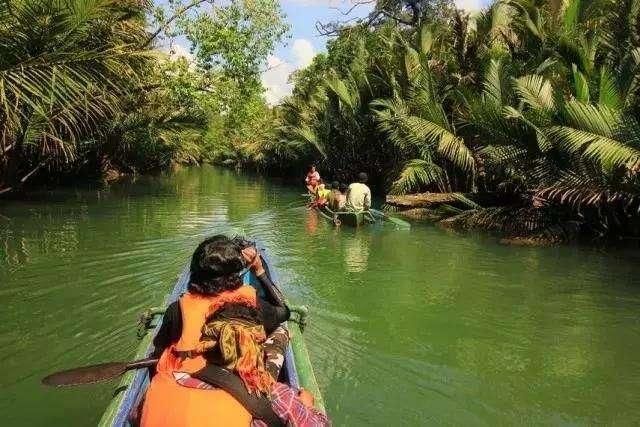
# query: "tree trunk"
{"type": "Point", "coordinates": [421, 200]}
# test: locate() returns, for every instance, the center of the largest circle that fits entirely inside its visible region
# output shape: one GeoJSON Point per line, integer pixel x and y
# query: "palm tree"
{"type": "Point", "coordinates": [530, 106]}
{"type": "Point", "coordinates": [63, 68]}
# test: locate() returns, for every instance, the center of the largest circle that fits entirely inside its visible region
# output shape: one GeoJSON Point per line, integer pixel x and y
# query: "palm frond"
{"type": "Point", "coordinates": [580, 86]}
{"type": "Point", "coordinates": [607, 152]}
{"type": "Point", "coordinates": [418, 174]}
{"type": "Point", "coordinates": [306, 135]}
{"type": "Point", "coordinates": [493, 84]}
{"type": "Point", "coordinates": [609, 94]}
{"type": "Point", "coordinates": [596, 119]}
{"type": "Point", "coordinates": [535, 91]}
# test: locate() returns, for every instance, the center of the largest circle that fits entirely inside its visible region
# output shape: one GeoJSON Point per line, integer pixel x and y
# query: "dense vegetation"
{"type": "Point", "coordinates": [86, 91]}
{"type": "Point", "coordinates": [529, 110]}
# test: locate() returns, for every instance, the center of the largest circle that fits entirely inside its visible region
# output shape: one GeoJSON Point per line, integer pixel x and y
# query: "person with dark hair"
{"type": "Point", "coordinates": [359, 195]}
{"type": "Point", "coordinates": [235, 340]}
{"type": "Point", "coordinates": [217, 266]}
{"type": "Point", "coordinates": [312, 179]}
{"type": "Point", "coordinates": [337, 198]}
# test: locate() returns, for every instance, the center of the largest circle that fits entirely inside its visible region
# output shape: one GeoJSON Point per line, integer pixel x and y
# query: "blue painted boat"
{"type": "Point", "coordinates": [125, 407]}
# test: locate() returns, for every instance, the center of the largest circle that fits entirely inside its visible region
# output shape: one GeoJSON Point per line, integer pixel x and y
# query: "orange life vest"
{"type": "Point", "coordinates": [169, 404]}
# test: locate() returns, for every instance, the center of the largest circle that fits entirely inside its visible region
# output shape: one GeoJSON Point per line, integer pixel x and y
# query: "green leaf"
{"type": "Point", "coordinates": [417, 174]}
{"type": "Point", "coordinates": [426, 39]}
{"type": "Point", "coordinates": [412, 64]}
{"type": "Point", "coordinates": [536, 91]}
{"type": "Point", "coordinates": [580, 85]}
{"type": "Point", "coordinates": [609, 94]}
{"type": "Point", "coordinates": [493, 83]}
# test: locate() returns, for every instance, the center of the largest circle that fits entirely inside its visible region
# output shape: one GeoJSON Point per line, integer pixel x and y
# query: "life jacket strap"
{"type": "Point", "coordinates": [258, 406]}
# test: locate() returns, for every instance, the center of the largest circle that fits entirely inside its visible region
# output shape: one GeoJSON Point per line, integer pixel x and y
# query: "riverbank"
{"type": "Point", "coordinates": [542, 224]}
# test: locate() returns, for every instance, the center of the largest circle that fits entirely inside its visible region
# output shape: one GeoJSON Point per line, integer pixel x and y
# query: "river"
{"type": "Point", "coordinates": [416, 327]}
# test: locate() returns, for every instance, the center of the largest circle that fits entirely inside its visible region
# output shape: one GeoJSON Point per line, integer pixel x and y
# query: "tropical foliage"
{"type": "Point", "coordinates": [84, 88]}
{"type": "Point", "coordinates": [527, 112]}
{"type": "Point", "coordinates": [530, 108]}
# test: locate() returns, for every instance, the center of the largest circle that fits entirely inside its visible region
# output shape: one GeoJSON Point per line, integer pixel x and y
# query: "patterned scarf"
{"type": "Point", "coordinates": [232, 337]}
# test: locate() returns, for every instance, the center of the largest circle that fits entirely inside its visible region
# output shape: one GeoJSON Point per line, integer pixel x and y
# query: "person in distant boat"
{"type": "Point", "coordinates": [322, 195]}
{"type": "Point", "coordinates": [342, 200]}
{"type": "Point", "coordinates": [359, 195]}
{"type": "Point", "coordinates": [216, 280]}
{"type": "Point", "coordinates": [337, 198]}
{"type": "Point", "coordinates": [312, 179]}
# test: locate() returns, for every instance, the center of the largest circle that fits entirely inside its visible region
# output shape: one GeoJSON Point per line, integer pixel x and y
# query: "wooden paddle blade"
{"type": "Point", "coordinates": [86, 375]}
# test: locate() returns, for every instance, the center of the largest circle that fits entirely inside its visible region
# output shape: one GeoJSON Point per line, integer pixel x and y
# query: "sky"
{"type": "Point", "coordinates": [304, 42]}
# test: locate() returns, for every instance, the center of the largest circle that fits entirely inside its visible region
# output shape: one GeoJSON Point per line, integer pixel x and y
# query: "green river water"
{"type": "Point", "coordinates": [419, 327]}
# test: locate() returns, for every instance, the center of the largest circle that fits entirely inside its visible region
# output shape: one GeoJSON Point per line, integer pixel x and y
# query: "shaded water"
{"type": "Point", "coordinates": [408, 327]}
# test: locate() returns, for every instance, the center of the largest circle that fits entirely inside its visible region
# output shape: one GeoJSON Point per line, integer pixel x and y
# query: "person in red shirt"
{"type": "Point", "coordinates": [312, 179]}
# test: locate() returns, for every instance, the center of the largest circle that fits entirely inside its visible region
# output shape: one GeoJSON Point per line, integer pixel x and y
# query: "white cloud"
{"type": "Point", "coordinates": [275, 79]}
{"type": "Point", "coordinates": [303, 52]}
{"type": "Point", "coordinates": [469, 5]}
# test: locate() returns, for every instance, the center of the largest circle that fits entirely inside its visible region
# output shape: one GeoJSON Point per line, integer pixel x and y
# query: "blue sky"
{"type": "Point", "coordinates": [304, 42]}
{"type": "Point", "coordinates": [303, 15]}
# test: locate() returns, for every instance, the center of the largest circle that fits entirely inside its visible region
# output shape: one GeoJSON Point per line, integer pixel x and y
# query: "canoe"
{"type": "Point", "coordinates": [297, 371]}
{"type": "Point", "coordinates": [353, 219]}
{"type": "Point", "coordinates": [357, 219]}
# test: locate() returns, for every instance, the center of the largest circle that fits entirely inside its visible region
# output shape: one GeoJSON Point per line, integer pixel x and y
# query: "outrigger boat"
{"type": "Point", "coordinates": [358, 219]}
{"type": "Point", "coordinates": [126, 406]}
{"type": "Point", "coordinates": [354, 219]}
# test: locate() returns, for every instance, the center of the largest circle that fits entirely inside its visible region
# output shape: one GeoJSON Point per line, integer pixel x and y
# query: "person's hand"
{"type": "Point", "coordinates": [254, 261]}
{"type": "Point", "coordinates": [306, 398]}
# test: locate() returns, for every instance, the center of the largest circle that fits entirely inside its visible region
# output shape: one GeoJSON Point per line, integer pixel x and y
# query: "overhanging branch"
{"type": "Point", "coordinates": [411, 12]}
{"type": "Point", "coordinates": [175, 16]}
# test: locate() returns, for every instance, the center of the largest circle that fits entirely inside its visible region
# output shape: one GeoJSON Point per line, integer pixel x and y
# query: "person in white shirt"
{"type": "Point", "coordinates": [359, 195]}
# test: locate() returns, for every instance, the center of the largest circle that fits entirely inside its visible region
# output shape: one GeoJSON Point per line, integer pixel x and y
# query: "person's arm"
{"type": "Point", "coordinates": [170, 329]}
{"type": "Point", "coordinates": [296, 407]}
{"type": "Point", "coordinates": [273, 307]}
{"type": "Point", "coordinates": [272, 293]}
{"type": "Point", "coordinates": [272, 315]}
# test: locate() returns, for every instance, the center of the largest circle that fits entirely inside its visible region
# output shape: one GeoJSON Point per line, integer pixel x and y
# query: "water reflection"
{"type": "Point", "coordinates": [356, 251]}
{"type": "Point", "coordinates": [311, 220]}
{"type": "Point", "coordinates": [14, 250]}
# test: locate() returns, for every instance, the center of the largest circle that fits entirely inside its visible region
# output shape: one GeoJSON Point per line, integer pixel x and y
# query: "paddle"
{"type": "Point", "coordinates": [396, 221]}
{"type": "Point", "coordinates": [95, 373]}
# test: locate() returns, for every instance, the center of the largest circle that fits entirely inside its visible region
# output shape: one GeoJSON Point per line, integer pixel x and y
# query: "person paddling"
{"type": "Point", "coordinates": [312, 179]}
{"type": "Point", "coordinates": [322, 194]}
{"type": "Point", "coordinates": [337, 198]}
{"type": "Point", "coordinates": [216, 269]}
{"type": "Point", "coordinates": [234, 338]}
{"type": "Point", "coordinates": [359, 195]}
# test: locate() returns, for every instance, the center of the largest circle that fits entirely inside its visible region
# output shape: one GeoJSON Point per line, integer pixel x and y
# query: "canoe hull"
{"type": "Point", "coordinates": [352, 219]}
